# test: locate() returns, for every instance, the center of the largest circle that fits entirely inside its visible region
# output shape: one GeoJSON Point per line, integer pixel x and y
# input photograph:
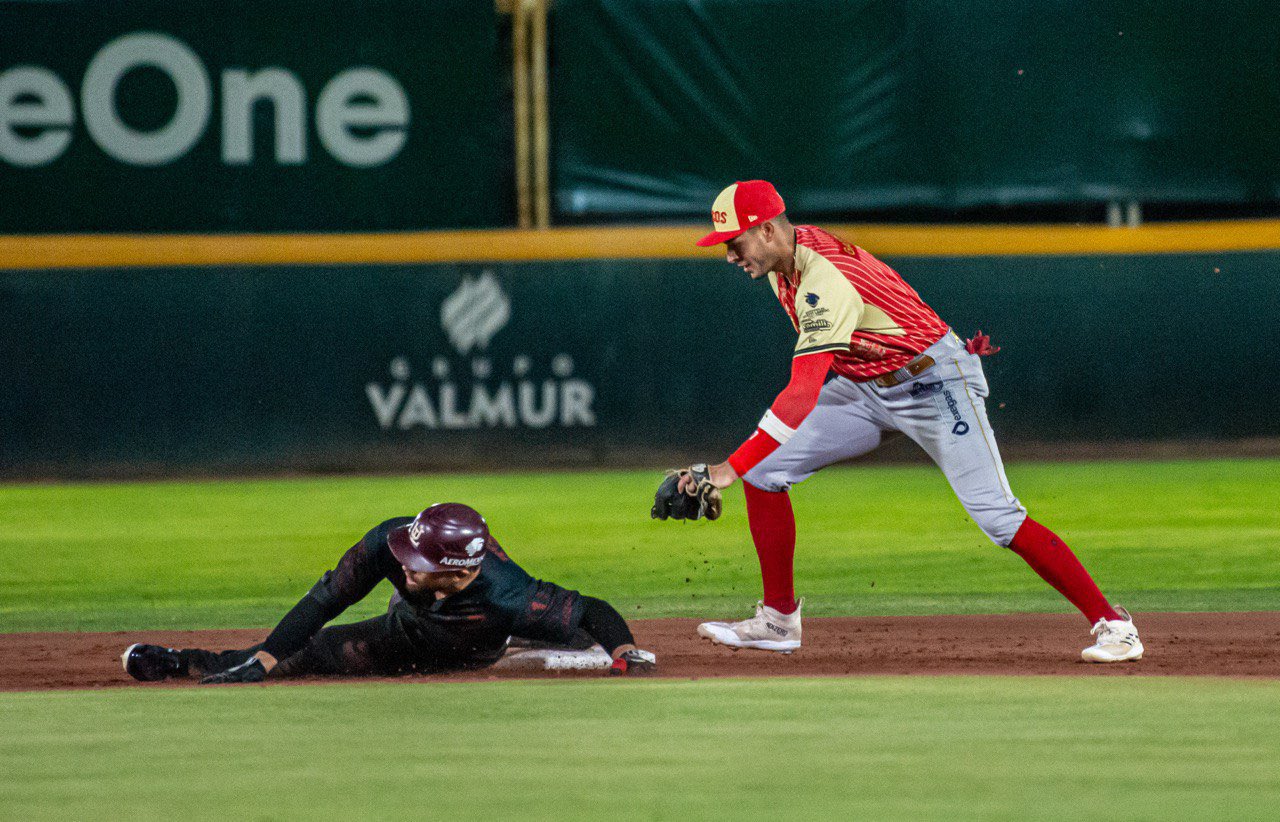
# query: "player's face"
{"type": "Point", "coordinates": [443, 582]}
{"type": "Point", "coordinates": [752, 251]}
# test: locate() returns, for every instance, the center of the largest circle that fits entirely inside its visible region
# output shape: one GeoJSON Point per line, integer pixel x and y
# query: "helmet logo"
{"type": "Point", "coordinates": [475, 546]}
{"type": "Point", "coordinates": [415, 533]}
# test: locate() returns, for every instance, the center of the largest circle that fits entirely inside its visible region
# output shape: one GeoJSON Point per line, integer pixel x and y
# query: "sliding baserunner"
{"type": "Point", "coordinates": [459, 600]}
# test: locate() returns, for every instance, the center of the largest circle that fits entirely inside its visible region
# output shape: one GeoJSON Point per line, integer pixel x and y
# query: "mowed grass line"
{"type": "Point", "coordinates": [878, 748]}
{"type": "Point", "coordinates": [1202, 535]}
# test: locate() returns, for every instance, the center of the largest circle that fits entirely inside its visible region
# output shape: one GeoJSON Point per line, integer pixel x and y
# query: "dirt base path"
{"type": "Point", "coordinates": [1233, 645]}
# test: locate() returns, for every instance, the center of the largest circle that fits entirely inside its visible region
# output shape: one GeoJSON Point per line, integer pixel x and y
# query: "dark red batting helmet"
{"type": "Point", "coordinates": [448, 536]}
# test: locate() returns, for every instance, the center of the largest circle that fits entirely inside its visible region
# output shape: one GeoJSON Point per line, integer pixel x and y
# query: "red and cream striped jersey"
{"type": "Point", "coordinates": [854, 305]}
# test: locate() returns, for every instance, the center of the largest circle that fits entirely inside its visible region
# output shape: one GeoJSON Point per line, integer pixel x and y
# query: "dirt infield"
{"type": "Point", "coordinates": [1232, 645]}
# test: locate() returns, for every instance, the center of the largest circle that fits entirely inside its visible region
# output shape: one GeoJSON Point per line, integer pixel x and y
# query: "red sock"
{"type": "Point", "coordinates": [773, 529]}
{"type": "Point", "coordinates": [1057, 564]}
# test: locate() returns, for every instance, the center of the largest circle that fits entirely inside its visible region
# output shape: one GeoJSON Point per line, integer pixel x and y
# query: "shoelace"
{"type": "Point", "coordinates": [1108, 634]}
{"type": "Point", "coordinates": [759, 611]}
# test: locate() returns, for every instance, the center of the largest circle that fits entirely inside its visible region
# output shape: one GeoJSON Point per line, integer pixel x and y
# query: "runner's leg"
{"type": "Point", "coordinates": [375, 647]}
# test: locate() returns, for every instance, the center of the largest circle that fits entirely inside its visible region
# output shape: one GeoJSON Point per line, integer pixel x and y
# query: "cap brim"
{"type": "Point", "coordinates": [404, 552]}
{"type": "Point", "coordinates": [717, 237]}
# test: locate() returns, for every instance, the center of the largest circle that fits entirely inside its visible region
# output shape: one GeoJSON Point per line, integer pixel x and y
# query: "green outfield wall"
{"type": "Point", "coordinates": [229, 115]}
{"type": "Point", "coordinates": [580, 362]}
{"type": "Point", "coordinates": [325, 115]}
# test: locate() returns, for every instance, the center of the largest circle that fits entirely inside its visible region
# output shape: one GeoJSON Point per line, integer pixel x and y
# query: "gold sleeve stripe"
{"type": "Point", "coordinates": [43, 251]}
{"type": "Point", "coordinates": [820, 348]}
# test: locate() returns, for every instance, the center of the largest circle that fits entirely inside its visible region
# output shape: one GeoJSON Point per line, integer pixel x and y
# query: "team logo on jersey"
{"type": "Point", "coordinates": [811, 298]}
{"type": "Point", "coordinates": [475, 546]}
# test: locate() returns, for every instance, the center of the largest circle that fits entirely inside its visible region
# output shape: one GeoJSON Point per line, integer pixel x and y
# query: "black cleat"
{"type": "Point", "coordinates": [151, 663]}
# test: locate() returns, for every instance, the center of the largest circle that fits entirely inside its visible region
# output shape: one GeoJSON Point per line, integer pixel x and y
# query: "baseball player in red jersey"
{"type": "Point", "coordinates": [894, 366]}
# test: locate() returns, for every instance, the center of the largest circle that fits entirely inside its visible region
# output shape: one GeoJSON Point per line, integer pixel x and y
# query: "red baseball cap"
{"type": "Point", "coordinates": [744, 204]}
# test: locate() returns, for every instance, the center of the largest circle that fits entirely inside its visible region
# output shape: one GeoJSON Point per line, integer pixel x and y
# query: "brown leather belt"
{"type": "Point", "coordinates": [914, 368]}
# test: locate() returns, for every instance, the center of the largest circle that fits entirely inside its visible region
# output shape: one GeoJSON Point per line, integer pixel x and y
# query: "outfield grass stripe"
{"type": "Point", "coordinates": [1157, 536]}
{"type": "Point", "coordinates": [882, 748]}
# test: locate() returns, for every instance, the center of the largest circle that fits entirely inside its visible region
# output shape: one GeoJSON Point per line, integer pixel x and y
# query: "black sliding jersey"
{"type": "Point", "coordinates": [472, 625]}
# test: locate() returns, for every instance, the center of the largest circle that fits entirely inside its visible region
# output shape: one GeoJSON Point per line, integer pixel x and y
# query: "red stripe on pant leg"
{"type": "Point", "coordinates": [773, 530]}
{"type": "Point", "coordinates": [1058, 565]}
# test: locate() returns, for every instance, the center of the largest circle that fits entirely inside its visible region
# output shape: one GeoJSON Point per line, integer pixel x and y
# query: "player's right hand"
{"type": "Point", "coordinates": [251, 670]}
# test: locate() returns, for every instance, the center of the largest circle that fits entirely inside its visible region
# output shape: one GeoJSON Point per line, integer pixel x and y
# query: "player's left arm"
{"type": "Point", "coordinates": [554, 614]}
{"type": "Point", "coordinates": [602, 622]}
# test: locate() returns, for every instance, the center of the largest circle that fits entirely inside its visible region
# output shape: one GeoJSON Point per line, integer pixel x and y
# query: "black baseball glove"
{"type": "Point", "coordinates": [671, 503]}
{"type": "Point", "coordinates": [251, 670]}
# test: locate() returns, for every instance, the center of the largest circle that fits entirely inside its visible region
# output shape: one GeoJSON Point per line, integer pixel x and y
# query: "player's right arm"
{"type": "Point", "coordinates": [792, 405]}
{"type": "Point", "coordinates": [826, 316]}
{"type": "Point", "coordinates": [361, 568]}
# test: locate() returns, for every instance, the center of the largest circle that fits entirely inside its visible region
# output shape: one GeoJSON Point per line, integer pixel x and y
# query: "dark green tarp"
{"type": "Point", "coordinates": [864, 105]}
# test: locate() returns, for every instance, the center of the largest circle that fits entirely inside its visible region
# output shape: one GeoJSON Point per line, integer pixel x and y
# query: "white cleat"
{"type": "Point", "coordinates": [1116, 640]}
{"type": "Point", "coordinates": [768, 630]}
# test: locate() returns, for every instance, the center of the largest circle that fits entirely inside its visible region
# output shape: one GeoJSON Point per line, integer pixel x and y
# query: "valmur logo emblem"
{"type": "Point", "coordinates": [475, 312]}
{"type": "Point", "coordinates": [470, 389]}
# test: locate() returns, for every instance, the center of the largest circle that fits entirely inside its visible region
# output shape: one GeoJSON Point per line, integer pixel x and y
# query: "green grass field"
{"type": "Point", "coordinates": [1158, 536]}
{"type": "Point", "coordinates": [879, 748]}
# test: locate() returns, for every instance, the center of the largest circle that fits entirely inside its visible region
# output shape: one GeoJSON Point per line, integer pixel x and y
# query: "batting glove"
{"type": "Point", "coordinates": [634, 663]}
{"type": "Point", "coordinates": [251, 670]}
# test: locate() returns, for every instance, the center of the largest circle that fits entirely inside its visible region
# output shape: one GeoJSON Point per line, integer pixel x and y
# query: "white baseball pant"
{"type": "Point", "coordinates": [942, 409]}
